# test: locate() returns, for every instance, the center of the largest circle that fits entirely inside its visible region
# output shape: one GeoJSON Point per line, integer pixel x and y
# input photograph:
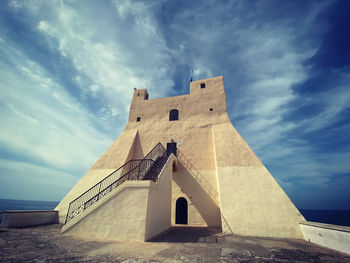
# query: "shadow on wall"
{"type": "Point", "coordinates": [158, 217]}
{"type": "Point", "coordinates": [136, 151]}
{"type": "Point", "coordinates": [199, 197]}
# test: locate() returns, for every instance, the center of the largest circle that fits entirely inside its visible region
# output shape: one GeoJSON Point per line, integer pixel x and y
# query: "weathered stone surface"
{"type": "Point", "coordinates": [235, 255]}
{"type": "Point", "coordinates": [138, 260]}
{"type": "Point", "coordinates": [46, 244]}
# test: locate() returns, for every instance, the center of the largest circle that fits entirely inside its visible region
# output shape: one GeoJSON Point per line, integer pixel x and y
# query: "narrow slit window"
{"type": "Point", "coordinates": [138, 119]}
{"type": "Point", "coordinates": [173, 115]}
{"type": "Point", "coordinates": [202, 85]}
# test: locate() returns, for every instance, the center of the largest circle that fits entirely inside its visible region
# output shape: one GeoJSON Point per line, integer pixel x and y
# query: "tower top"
{"type": "Point", "coordinates": [140, 94]}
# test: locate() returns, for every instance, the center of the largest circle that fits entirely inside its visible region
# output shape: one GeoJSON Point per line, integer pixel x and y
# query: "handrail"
{"type": "Point", "coordinates": [127, 163]}
{"type": "Point", "coordinates": [198, 176]}
{"type": "Point", "coordinates": [156, 169]}
{"type": "Point", "coordinates": [131, 170]}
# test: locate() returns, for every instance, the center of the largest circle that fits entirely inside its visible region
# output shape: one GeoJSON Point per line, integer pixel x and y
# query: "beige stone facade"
{"type": "Point", "coordinates": [224, 183]}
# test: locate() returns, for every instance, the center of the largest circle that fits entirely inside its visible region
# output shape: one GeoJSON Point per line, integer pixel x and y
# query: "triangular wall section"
{"type": "Point", "coordinates": [117, 154]}
{"type": "Point", "coordinates": [252, 202]}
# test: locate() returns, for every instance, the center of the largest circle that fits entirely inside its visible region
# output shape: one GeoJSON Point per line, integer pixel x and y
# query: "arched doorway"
{"type": "Point", "coordinates": [181, 211]}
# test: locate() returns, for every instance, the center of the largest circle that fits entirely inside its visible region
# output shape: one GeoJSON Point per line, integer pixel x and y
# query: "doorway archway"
{"type": "Point", "coordinates": [181, 212]}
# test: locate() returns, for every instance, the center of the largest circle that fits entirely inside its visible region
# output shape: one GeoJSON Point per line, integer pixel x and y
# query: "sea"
{"type": "Point", "coordinates": [10, 204]}
{"type": "Point", "coordinates": [329, 216]}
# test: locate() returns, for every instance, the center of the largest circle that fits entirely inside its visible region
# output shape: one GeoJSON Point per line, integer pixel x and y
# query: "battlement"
{"type": "Point", "coordinates": [198, 87]}
{"type": "Point", "coordinates": [205, 86]}
{"type": "Point", "coordinates": [140, 94]}
{"type": "Point", "coordinates": [206, 98]}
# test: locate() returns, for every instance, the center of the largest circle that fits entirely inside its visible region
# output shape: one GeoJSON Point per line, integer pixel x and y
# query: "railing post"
{"type": "Point", "coordinates": [138, 173]}
{"type": "Point", "coordinates": [99, 191]}
{"type": "Point", "coordinates": [67, 213]}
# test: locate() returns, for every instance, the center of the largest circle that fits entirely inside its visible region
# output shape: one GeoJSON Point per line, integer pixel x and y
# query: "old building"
{"type": "Point", "coordinates": [207, 175]}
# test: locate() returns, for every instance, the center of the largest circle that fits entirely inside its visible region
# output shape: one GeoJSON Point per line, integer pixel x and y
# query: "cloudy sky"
{"type": "Point", "coordinates": [68, 69]}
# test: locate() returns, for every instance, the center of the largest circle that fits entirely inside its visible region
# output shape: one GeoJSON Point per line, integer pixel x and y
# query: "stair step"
{"type": "Point", "coordinates": [156, 169]}
{"type": "Point", "coordinates": [135, 172]}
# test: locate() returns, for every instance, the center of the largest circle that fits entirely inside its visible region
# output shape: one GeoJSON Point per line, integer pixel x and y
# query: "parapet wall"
{"type": "Point", "coordinates": [331, 236]}
{"type": "Point", "coordinates": [27, 218]}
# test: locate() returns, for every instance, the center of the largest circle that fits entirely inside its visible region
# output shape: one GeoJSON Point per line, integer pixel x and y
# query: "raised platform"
{"type": "Point", "coordinates": [331, 236]}
{"type": "Point", "coordinates": [27, 218]}
{"type": "Point", "coordinates": [46, 244]}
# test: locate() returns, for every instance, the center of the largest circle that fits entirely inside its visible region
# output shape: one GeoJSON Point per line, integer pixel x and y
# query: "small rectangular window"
{"type": "Point", "coordinates": [202, 85]}
{"type": "Point", "coordinates": [138, 119]}
{"type": "Point", "coordinates": [173, 115]}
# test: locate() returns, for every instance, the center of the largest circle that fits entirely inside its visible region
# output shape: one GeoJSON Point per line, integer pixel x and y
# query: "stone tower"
{"type": "Point", "coordinates": [212, 179]}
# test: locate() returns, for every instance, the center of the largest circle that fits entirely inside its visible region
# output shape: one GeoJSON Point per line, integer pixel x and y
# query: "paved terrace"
{"type": "Point", "coordinates": [46, 244]}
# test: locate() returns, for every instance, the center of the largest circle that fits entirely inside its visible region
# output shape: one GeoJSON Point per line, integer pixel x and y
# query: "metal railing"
{"type": "Point", "coordinates": [132, 170]}
{"type": "Point", "coordinates": [197, 175]}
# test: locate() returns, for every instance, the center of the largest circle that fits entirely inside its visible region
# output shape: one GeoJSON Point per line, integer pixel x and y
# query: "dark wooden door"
{"type": "Point", "coordinates": [181, 211]}
{"type": "Point", "coordinates": [170, 148]}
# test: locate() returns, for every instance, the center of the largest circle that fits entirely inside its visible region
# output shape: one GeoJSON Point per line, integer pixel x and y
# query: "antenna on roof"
{"type": "Point", "coordinates": [191, 72]}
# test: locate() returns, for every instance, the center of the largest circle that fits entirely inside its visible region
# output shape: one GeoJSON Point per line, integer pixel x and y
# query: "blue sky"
{"type": "Point", "coordinates": [68, 69]}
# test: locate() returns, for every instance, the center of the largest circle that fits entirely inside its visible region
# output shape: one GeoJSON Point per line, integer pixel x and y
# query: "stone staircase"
{"type": "Point", "coordinates": [155, 170]}
{"type": "Point", "coordinates": [134, 170]}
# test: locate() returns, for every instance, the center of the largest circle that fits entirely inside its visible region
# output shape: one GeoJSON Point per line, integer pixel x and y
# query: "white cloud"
{"type": "Point", "coordinates": [44, 26]}
{"type": "Point", "coordinates": [27, 181]}
{"type": "Point", "coordinates": [266, 99]}
{"type": "Point", "coordinates": [43, 123]}
{"type": "Point", "coordinates": [40, 121]}
{"type": "Point", "coordinates": [261, 62]}
{"type": "Point", "coordinates": [334, 102]}
{"type": "Point", "coordinates": [124, 7]}
{"type": "Point", "coordinates": [112, 49]}
{"type": "Point", "coordinates": [16, 4]}
{"type": "Point", "coordinates": [105, 57]}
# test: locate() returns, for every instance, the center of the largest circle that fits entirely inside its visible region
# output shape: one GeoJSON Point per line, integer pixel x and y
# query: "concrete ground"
{"type": "Point", "coordinates": [46, 244]}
